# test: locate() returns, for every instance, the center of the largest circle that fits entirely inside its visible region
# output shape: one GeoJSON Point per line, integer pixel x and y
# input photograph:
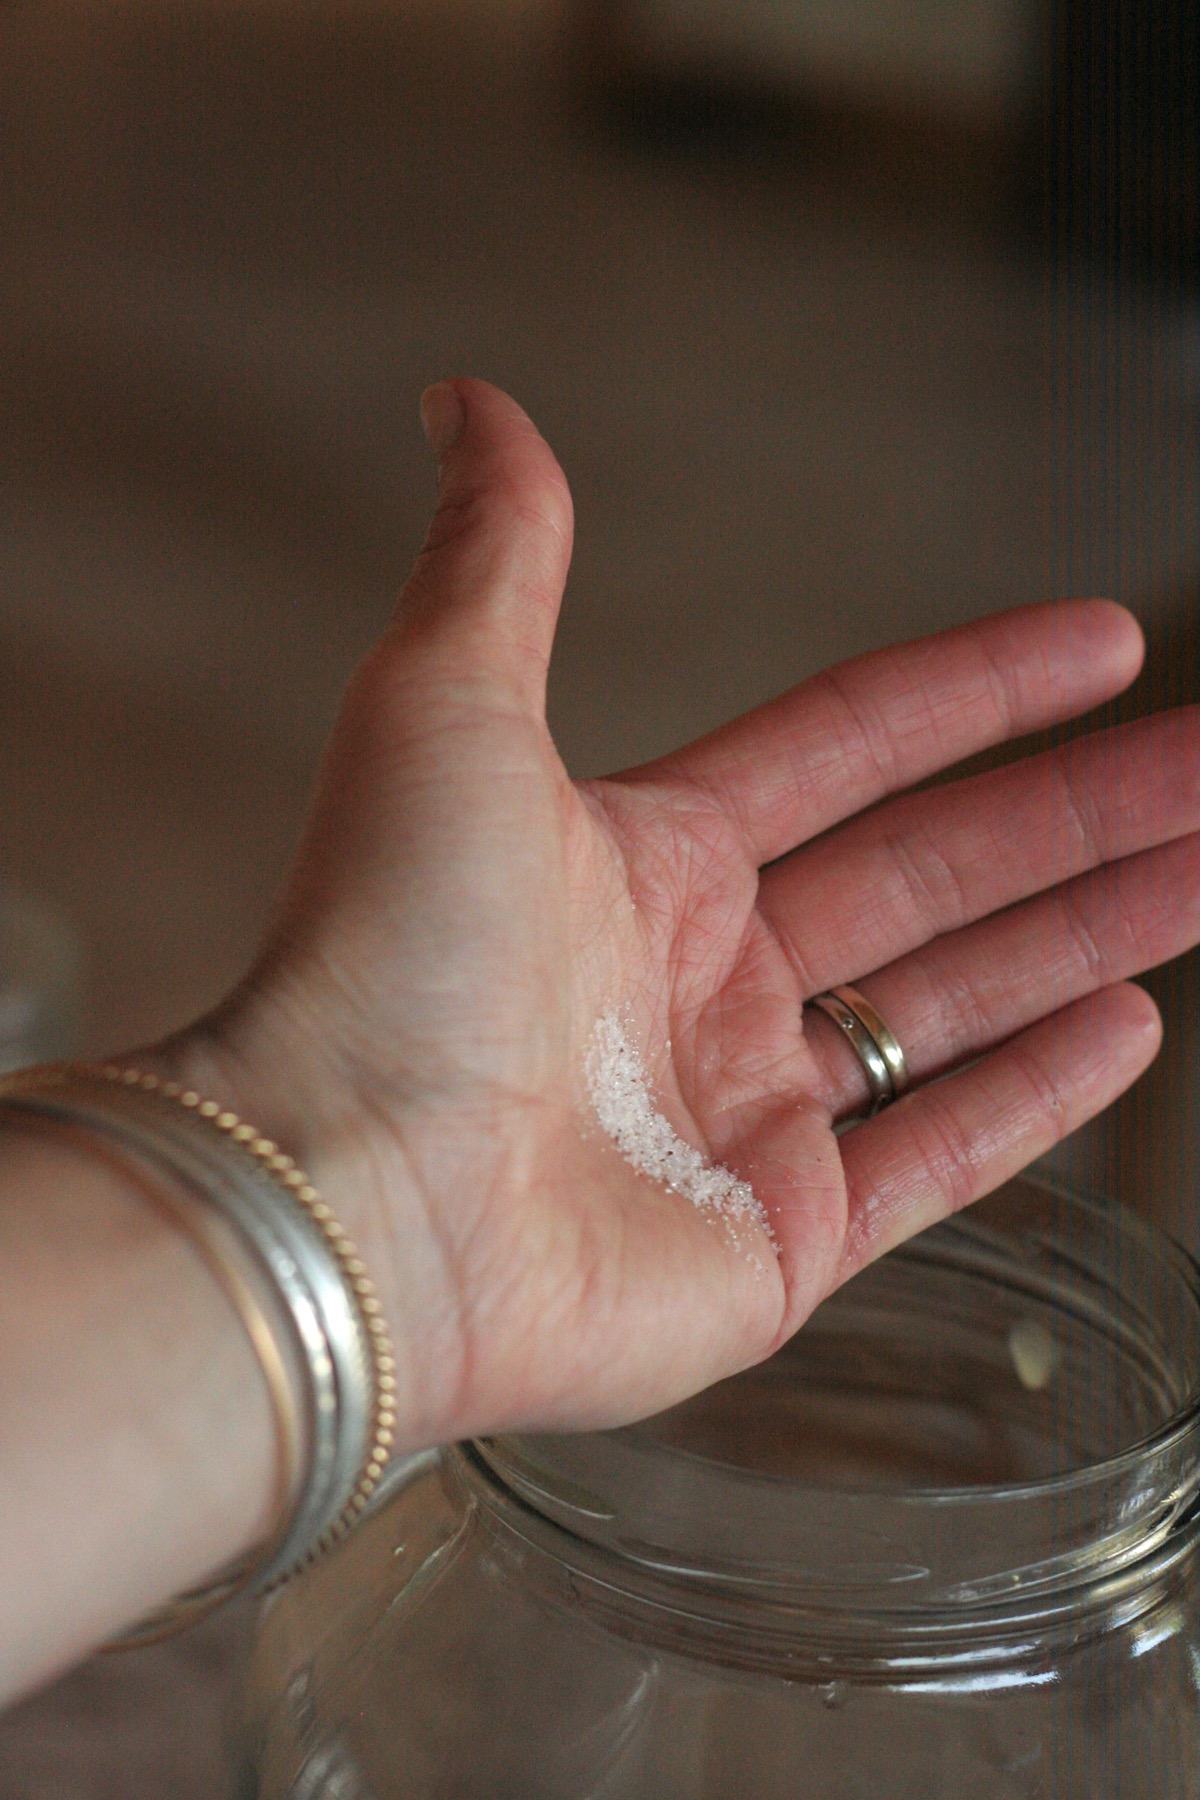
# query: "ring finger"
{"type": "Point", "coordinates": [970, 989]}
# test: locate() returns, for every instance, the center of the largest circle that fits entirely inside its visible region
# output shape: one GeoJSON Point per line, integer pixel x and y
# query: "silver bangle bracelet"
{"type": "Point", "coordinates": [251, 1206]}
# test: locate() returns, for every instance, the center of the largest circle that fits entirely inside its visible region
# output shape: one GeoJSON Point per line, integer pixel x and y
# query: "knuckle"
{"type": "Point", "coordinates": [1044, 1089]}
{"type": "Point", "coordinates": [496, 520]}
{"type": "Point", "coordinates": [949, 1152]}
{"type": "Point", "coordinates": [1082, 938]}
{"type": "Point", "coordinates": [464, 511]}
{"type": "Point", "coordinates": [1000, 674]}
{"type": "Point", "coordinates": [786, 941]}
{"type": "Point", "coordinates": [932, 885]}
{"type": "Point", "coordinates": [1081, 811]}
{"type": "Point", "coordinates": [959, 1016]}
{"type": "Point", "coordinates": [867, 739]}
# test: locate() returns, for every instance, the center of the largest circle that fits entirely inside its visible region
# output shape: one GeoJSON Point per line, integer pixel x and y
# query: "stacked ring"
{"type": "Point", "coordinates": [872, 1040]}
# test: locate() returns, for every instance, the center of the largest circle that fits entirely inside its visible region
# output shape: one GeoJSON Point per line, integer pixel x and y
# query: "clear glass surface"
{"type": "Point", "coordinates": [943, 1543]}
{"type": "Point", "coordinates": [39, 981]}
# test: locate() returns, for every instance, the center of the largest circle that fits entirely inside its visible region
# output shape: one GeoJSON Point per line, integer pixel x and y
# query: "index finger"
{"type": "Point", "coordinates": [869, 727]}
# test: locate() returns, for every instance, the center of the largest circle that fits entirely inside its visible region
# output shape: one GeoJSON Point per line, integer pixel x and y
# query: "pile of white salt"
{"type": "Point", "coordinates": [620, 1095]}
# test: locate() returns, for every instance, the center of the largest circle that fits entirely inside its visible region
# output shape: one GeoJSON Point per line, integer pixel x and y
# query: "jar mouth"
{"type": "Point", "coordinates": [999, 1413]}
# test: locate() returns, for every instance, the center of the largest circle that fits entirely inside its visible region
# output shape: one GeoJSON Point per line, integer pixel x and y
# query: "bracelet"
{"type": "Point", "coordinates": [292, 1274]}
{"type": "Point", "coordinates": [260, 1310]}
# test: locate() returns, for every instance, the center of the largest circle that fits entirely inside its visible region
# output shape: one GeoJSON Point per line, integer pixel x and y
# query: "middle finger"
{"type": "Point", "coordinates": [926, 863]}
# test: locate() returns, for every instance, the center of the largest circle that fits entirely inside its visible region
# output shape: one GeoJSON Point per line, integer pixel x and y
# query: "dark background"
{"type": "Point", "coordinates": [834, 351]}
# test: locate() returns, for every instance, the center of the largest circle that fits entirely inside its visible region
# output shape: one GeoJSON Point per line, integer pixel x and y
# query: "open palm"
{"type": "Point", "coordinates": [418, 1025]}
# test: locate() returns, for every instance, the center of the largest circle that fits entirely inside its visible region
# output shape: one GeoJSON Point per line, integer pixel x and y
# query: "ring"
{"type": "Point", "coordinates": [873, 1042]}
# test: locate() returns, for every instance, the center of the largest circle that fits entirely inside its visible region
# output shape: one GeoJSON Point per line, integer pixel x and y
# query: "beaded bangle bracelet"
{"type": "Point", "coordinates": [264, 1228]}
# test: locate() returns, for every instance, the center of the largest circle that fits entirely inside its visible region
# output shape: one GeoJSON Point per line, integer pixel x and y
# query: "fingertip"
{"type": "Point", "coordinates": [1116, 637]}
{"type": "Point", "coordinates": [1140, 1018]}
{"type": "Point", "coordinates": [491, 572]}
{"type": "Point", "coordinates": [443, 416]}
{"type": "Point", "coordinates": [1126, 1031]}
{"type": "Point", "coordinates": [502, 446]}
{"type": "Point", "coordinates": [495, 439]}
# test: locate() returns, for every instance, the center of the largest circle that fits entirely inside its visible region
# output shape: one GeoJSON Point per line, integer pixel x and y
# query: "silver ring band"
{"type": "Point", "coordinates": [874, 1043]}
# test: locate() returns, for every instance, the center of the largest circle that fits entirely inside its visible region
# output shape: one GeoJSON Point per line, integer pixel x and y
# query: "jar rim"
{"type": "Point", "coordinates": [1128, 1300]}
{"type": "Point", "coordinates": [805, 1637]}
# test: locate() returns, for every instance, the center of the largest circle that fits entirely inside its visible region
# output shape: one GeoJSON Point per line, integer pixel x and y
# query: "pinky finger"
{"type": "Point", "coordinates": [957, 1139]}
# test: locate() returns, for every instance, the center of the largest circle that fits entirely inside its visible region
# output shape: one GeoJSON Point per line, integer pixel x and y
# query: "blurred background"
{"type": "Point", "coordinates": [849, 319]}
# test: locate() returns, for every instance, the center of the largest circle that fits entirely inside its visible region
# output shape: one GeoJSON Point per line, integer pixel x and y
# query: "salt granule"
{"type": "Point", "coordinates": [620, 1094]}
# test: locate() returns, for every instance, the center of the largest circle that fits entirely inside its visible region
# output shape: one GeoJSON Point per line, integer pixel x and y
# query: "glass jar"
{"type": "Point", "coordinates": [39, 981]}
{"type": "Point", "coordinates": [944, 1543]}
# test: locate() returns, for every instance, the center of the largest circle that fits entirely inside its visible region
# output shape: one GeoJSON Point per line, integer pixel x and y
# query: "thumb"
{"type": "Point", "coordinates": [487, 586]}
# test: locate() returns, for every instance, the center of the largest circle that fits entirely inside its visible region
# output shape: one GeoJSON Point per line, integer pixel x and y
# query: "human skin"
{"type": "Point", "coordinates": [461, 913]}
{"type": "Point", "coordinates": [414, 1030]}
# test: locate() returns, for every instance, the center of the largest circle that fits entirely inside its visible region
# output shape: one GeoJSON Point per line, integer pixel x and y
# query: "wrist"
{"type": "Point", "coordinates": [291, 1096]}
{"type": "Point", "coordinates": [151, 1405]}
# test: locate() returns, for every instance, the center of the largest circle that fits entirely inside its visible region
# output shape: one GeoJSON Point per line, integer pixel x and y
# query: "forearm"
{"type": "Point", "coordinates": [136, 1446]}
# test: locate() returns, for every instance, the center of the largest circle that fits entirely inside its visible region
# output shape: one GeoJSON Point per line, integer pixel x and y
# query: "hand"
{"type": "Point", "coordinates": [417, 1025]}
